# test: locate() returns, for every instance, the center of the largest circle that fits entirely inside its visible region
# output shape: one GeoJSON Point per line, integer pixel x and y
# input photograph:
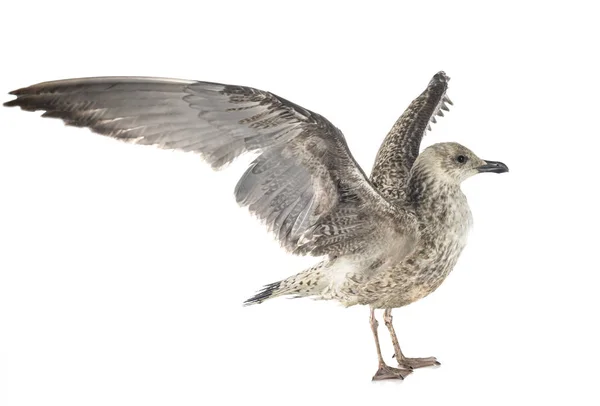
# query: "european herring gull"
{"type": "Point", "coordinates": [383, 242]}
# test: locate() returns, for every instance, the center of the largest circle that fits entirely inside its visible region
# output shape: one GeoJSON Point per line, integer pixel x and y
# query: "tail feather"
{"type": "Point", "coordinates": [264, 294]}
{"type": "Point", "coordinates": [309, 282]}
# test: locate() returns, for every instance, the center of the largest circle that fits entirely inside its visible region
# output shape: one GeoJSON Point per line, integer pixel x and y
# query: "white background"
{"type": "Point", "coordinates": [123, 268]}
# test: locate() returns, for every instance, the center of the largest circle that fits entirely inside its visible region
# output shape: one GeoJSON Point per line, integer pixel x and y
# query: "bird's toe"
{"type": "Point", "coordinates": [414, 363]}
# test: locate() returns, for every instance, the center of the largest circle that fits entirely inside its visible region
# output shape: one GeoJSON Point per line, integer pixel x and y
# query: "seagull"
{"type": "Point", "coordinates": [383, 242]}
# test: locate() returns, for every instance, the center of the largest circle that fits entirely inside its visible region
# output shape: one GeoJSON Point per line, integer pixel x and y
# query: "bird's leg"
{"type": "Point", "coordinates": [384, 371]}
{"type": "Point", "coordinates": [387, 318]}
{"type": "Point", "coordinates": [404, 362]}
{"type": "Point", "coordinates": [374, 325]}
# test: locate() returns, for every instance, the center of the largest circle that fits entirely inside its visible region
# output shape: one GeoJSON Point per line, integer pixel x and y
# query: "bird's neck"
{"type": "Point", "coordinates": [437, 202]}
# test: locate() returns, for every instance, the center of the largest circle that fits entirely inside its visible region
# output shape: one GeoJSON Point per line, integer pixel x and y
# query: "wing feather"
{"type": "Point", "coordinates": [400, 148]}
{"type": "Point", "coordinates": [304, 184]}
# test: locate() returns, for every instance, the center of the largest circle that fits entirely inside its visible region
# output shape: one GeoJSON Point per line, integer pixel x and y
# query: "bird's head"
{"type": "Point", "coordinates": [453, 163]}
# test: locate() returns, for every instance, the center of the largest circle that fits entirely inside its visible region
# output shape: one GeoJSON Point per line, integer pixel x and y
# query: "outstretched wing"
{"type": "Point", "coordinates": [304, 185]}
{"type": "Point", "coordinates": [401, 146]}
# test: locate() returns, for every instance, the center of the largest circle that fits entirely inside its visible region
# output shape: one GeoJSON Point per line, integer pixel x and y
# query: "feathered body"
{"type": "Point", "coordinates": [394, 276]}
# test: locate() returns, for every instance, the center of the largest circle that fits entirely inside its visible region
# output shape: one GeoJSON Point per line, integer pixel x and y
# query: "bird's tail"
{"type": "Point", "coordinates": [265, 293]}
{"type": "Point", "coordinates": [309, 282]}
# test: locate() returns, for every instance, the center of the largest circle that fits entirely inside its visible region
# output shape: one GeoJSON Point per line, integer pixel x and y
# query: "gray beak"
{"type": "Point", "coordinates": [492, 166]}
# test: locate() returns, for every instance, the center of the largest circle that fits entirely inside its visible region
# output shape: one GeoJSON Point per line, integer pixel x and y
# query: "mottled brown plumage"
{"type": "Point", "coordinates": [401, 146]}
{"type": "Point", "coordinates": [384, 242]}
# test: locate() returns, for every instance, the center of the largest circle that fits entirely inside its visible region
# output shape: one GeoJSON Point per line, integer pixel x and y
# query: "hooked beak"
{"type": "Point", "coordinates": [492, 166]}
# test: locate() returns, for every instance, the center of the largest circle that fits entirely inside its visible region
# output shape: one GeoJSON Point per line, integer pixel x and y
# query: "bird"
{"type": "Point", "coordinates": [382, 241]}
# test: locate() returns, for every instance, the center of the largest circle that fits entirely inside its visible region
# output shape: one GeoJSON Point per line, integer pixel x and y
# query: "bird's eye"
{"type": "Point", "coordinates": [461, 158]}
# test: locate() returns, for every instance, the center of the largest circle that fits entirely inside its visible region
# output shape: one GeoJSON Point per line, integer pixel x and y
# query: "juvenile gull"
{"type": "Point", "coordinates": [384, 242]}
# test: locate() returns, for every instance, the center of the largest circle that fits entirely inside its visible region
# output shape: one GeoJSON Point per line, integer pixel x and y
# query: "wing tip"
{"type": "Point", "coordinates": [11, 103]}
{"type": "Point", "coordinates": [16, 101]}
{"type": "Point", "coordinates": [19, 102]}
{"type": "Point", "coordinates": [21, 91]}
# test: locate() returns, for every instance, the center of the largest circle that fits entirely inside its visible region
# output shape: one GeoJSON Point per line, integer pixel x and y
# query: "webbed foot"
{"type": "Point", "coordinates": [387, 372]}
